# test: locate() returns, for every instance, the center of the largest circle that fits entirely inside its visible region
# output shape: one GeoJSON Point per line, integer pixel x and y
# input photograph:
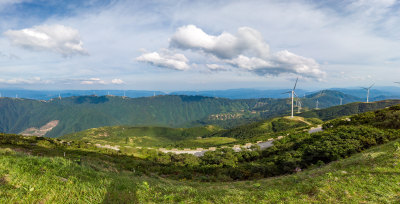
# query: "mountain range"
{"type": "Point", "coordinates": [79, 113]}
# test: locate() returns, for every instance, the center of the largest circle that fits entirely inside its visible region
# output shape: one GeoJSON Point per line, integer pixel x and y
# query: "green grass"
{"type": "Point", "coordinates": [196, 137]}
{"type": "Point", "coordinates": [144, 136]}
{"type": "Point", "coordinates": [368, 177]}
{"type": "Point", "coordinates": [207, 142]}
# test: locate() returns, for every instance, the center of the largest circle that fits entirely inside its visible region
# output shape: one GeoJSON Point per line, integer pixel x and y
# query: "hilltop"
{"type": "Point", "coordinates": [140, 136]}
{"type": "Point", "coordinates": [196, 137]}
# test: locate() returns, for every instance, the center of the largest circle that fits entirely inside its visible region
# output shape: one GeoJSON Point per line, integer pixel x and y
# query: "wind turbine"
{"type": "Point", "coordinates": [299, 107]}
{"type": "Point", "coordinates": [368, 91]}
{"type": "Point", "coordinates": [293, 94]}
{"type": "Point", "coordinates": [317, 102]}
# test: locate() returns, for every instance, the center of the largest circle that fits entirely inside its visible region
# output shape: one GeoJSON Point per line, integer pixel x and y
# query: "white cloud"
{"type": "Point", "coordinates": [55, 38]}
{"type": "Point", "coordinates": [215, 67]}
{"type": "Point", "coordinates": [246, 50]}
{"type": "Point", "coordinates": [92, 81]}
{"type": "Point", "coordinates": [34, 80]}
{"type": "Point", "coordinates": [117, 81]}
{"type": "Point", "coordinates": [224, 45]}
{"type": "Point", "coordinates": [172, 61]}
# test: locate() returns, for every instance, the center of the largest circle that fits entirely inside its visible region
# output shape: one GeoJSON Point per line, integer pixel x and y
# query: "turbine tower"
{"type": "Point", "coordinates": [292, 95]}
{"type": "Point", "coordinates": [341, 101]}
{"type": "Point", "coordinates": [316, 104]}
{"type": "Point", "coordinates": [369, 88]}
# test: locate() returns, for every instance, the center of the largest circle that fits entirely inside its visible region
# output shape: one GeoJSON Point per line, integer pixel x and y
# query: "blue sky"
{"type": "Point", "coordinates": [196, 45]}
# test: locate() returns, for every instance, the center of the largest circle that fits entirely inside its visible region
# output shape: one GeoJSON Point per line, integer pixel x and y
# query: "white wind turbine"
{"type": "Point", "coordinates": [299, 106]}
{"type": "Point", "coordinates": [317, 102]}
{"type": "Point", "coordinates": [292, 95]}
{"type": "Point", "coordinates": [369, 88]}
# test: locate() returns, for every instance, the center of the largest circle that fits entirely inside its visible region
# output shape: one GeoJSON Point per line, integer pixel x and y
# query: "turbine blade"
{"type": "Point", "coordinates": [295, 84]}
{"type": "Point", "coordinates": [287, 92]}
{"type": "Point", "coordinates": [295, 94]}
{"type": "Point", "coordinates": [371, 85]}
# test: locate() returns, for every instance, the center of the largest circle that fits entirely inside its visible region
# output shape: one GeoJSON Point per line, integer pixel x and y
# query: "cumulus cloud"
{"type": "Point", "coordinates": [55, 38]}
{"type": "Point", "coordinates": [246, 50]}
{"type": "Point", "coordinates": [166, 60]}
{"type": "Point", "coordinates": [224, 45]}
{"type": "Point", "coordinates": [117, 81]}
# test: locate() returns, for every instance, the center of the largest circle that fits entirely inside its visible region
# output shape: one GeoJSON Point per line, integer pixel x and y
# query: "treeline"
{"type": "Point", "coordinates": [263, 129]}
{"type": "Point", "coordinates": [348, 109]}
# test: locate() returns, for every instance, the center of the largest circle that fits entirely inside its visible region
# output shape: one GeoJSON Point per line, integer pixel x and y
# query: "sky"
{"type": "Point", "coordinates": [172, 45]}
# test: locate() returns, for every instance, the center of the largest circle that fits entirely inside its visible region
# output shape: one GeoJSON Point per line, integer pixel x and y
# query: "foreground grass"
{"type": "Point", "coordinates": [369, 177]}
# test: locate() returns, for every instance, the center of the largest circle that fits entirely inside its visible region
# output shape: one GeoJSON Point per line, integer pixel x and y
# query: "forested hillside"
{"type": "Point", "coordinates": [80, 113]}
{"type": "Point", "coordinates": [348, 109]}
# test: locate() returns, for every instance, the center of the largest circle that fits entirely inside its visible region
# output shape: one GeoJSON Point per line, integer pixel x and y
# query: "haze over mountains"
{"type": "Point", "coordinates": [377, 93]}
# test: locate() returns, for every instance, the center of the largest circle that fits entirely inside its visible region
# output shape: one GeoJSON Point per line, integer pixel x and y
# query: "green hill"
{"type": "Point", "coordinates": [263, 130]}
{"type": "Point", "coordinates": [140, 136]}
{"type": "Point", "coordinates": [206, 136]}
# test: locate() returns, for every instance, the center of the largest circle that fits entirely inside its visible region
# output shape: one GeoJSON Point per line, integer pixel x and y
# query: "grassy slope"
{"type": "Point", "coordinates": [187, 137]}
{"type": "Point", "coordinates": [371, 176]}
{"type": "Point", "coordinates": [144, 136]}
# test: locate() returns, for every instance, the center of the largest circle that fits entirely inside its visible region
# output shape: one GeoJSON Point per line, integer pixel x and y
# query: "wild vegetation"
{"type": "Point", "coordinates": [32, 175]}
